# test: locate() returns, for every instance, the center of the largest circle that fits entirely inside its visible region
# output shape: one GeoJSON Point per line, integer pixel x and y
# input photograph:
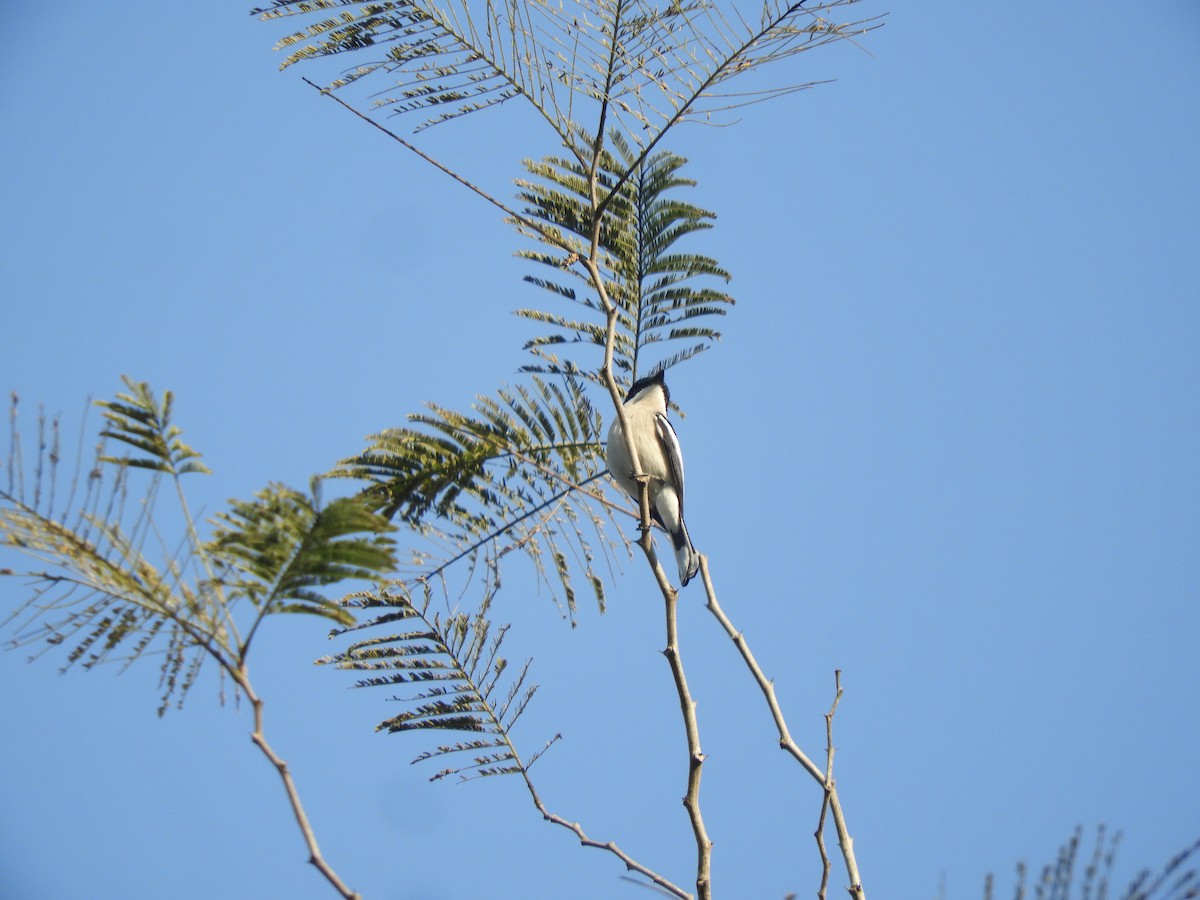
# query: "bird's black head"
{"type": "Point", "coordinates": [659, 379]}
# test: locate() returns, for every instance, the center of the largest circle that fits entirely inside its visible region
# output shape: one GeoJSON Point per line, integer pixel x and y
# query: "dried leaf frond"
{"type": "Point", "coordinates": [643, 66]}
{"type": "Point", "coordinates": [1068, 877]}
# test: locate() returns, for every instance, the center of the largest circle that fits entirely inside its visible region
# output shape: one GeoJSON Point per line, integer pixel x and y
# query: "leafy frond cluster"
{"type": "Point", "coordinates": [649, 280]}
{"type": "Point", "coordinates": [514, 474]}
{"type": "Point", "coordinates": [646, 66]}
{"type": "Point", "coordinates": [443, 67]}
{"type": "Point", "coordinates": [458, 681]}
{"type": "Point", "coordinates": [98, 591]}
{"type": "Point", "coordinates": [138, 420]}
{"type": "Point", "coordinates": [278, 548]}
{"type": "Point", "coordinates": [109, 583]}
{"type": "Point", "coordinates": [517, 470]}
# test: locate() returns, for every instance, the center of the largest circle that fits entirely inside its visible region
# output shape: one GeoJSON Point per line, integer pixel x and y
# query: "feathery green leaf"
{"type": "Point", "coordinates": [140, 421]}
{"type": "Point", "coordinates": [93, 588]}
{"type": "Point", "coordinates": [651, 283]}
{"type": "Point", "coordinates": [511, 475]}
{"type": "Point", "coordinates": [452, 667]}
{"type": "Point", "coordinates": [642, 65]}
{"type": "Point", "coordinates": [278, 548]}
{"type": "Point", "coordinates": [104, 578]}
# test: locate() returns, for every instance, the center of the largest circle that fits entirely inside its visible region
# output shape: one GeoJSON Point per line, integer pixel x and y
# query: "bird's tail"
{"type": "Point", "coordinates": [686, 556]}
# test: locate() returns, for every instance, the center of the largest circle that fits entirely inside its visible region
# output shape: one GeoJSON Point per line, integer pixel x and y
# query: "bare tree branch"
{"type": "Point", "coordinates": [786, 741]}
{"type": "Point", "coordinates": [259, 738]}
{"type": "Point", "coordinates": [630, 863]}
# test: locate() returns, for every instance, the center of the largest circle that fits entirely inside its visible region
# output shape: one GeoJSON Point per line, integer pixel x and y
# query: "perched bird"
{"type": "Point", "coordinates": [660, 458]}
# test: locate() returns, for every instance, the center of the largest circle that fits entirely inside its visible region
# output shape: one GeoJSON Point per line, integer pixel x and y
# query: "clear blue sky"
{"type": "Point", "coordinates": [968, 338]}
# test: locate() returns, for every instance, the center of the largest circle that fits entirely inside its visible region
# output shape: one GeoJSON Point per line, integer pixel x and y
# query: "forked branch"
{"type": "Point", "coordinates": [824, 778]}
{"type": "Point", "coordinates": [575, 828]}
{"type": "Point", "coordinates": [454, 675]}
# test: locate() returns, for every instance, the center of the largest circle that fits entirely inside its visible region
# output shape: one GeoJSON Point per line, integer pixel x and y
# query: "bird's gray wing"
{"type": "Point", "coordinates": [673, 453]}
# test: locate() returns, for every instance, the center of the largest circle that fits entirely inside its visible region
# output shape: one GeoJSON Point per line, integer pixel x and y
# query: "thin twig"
{"type": "Point", "coordinates": [829, 752]}
{"type": "Point", "coordinates": [546, 233]}
{"type": "Point", "coordinates": [786, 742]}
{"type": "Point", "coordinates": [765, 684]}
{"type": "Point", "coordinates": [819, 834]}
{"type": "Point", "coordinates": [259, 738]}
{"type": "Point", "coordinates": [630, 863]}
{"type": "Point", "coordinates": [855, 890]}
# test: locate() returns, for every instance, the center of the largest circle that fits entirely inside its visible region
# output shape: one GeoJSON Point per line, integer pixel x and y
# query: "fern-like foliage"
{"type": "Point", "coordinates": [278, 548]}
{"type": "Point", "coordinates": [455, 678]}
{"type": "Point", "coordinates": [519, 471]}
{"type": "Point", "coordinates": [642, 66]}
{"type": "Point", "coordinates": [96, 587]}
{"type": "Point", "coordinates": [108, 581]}
{"type": "Point", "coordinates": [95, 592]}
{"type": "Point", "coordinates": [514, 474]}
{"type": "Point", "coordinates": [444, 63]}
{"type": "Point", "coordinates": [138, 420]}
{"type": "Point", "coordinates": [651, 282]}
